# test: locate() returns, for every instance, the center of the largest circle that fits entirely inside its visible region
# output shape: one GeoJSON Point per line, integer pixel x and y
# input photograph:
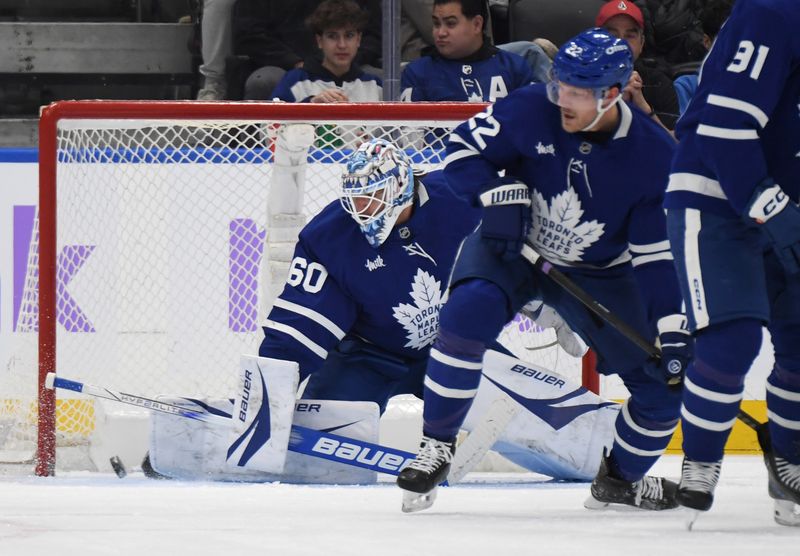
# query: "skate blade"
{"type": "Point", "coordinates": [787, 513]}
{"type": "Point", "coordinates": [593, 503]}
{"type": "Point", "coordinates": [690, 517]}
{"type": "Point", "coordinates": [415, 502]}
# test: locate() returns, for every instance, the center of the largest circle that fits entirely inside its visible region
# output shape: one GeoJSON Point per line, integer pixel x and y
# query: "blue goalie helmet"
{"type": "Point", "coordinates": [594, 59]}
{"type": "Point", "coordinates": [377, 185]}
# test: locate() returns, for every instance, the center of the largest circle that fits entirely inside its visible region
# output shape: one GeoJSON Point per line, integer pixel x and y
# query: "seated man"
{"type": "Point", "coordinates": [649, 89]}
{"type": "Point", "coordinates": [465, 65]}
{"type": "Point", "coordinates": [337, 26]}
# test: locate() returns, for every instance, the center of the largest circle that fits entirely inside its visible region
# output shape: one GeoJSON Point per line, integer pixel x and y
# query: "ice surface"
{"type": "Point", "coordinates": [85, 514]}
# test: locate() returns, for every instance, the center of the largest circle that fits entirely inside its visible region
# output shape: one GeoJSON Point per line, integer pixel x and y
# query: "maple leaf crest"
{"type": "Point", "coordinates": [557, 230]}
{"type": "Point", "coordinates": [421, 320]}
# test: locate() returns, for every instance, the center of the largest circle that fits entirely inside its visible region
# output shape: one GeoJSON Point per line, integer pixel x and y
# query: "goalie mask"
{"type": "Point", "coordinates": [377, 185]}
{"type": "Point", "coordinates": [590, 64]}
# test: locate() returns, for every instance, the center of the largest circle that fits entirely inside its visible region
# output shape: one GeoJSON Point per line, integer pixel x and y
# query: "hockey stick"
{"type": "Point", "coordinates": [595, 307]}
{"type": "Point", "coordinates": [302, 440]}
{"type": "Point", "coordinates": [481, 439]}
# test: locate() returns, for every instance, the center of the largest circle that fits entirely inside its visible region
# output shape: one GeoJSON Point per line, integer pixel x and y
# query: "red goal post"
{"type": "Point", "coordinates": [103, 135]}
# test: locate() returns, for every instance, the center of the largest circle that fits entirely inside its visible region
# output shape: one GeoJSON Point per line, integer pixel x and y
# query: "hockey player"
{"type": "Point", "coordinates": [361, 304]}
{"type": "Point", "coordinates": [465, 67]}
{"type": "Point", "coordinates": [589, 174]}
{"type": "Point", "coordinates": [734, 226]}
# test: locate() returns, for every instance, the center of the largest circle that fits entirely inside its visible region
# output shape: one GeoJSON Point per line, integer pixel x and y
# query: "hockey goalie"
{"type": "Point", "coordinates": [358, 311]}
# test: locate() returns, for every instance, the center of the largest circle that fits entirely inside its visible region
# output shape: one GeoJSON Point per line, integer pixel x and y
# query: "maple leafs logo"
{"type": "Point", "coordinates": [558, 232]}
{"type": "Point", "coordinates": [421, 320]}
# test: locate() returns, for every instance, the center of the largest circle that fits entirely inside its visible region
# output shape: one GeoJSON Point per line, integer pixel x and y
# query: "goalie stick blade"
{"type": "Point", "coordinates": [787, 513]}
{"type": "Point", "coordinates": [416, 502]}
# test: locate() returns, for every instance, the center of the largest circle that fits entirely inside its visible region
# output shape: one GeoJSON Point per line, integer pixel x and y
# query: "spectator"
{"type": "Point", "coordinates": [416, 35]}
{"type": "Point", "coordinates": [215, 30]}
{"type": "Point", "coordinates": [650, 88]}
{"type": "Point", "coordinates": [273, 36]}
{"type": "Point", "coordinates": [712, 16]}
{"type": "Point", "coordinates": [465, 66]}
{"type": "Point", "coordinates": [337, 26]}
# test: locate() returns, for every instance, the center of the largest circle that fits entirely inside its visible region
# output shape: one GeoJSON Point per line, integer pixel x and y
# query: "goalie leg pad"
{"type": "Point", "coordinates": [562, 428]}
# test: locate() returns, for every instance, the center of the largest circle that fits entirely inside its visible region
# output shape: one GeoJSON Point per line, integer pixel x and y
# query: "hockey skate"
{"type": "Point", "coordinates": [784, 482]}
{"type": "Point", "coordinates": [423, 475]}
{"type": "Point", "coordinates": [648, 493]}
{"type": "Point", "coordinates": [696, 489]}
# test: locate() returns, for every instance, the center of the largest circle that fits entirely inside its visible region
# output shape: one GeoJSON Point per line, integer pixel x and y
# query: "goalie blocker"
{"type": "Point", "coordinates": [560, 430]}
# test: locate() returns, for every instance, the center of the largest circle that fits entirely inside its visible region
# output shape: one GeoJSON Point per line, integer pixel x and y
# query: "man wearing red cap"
{"type": "Point", "coordinates": [649, 88]}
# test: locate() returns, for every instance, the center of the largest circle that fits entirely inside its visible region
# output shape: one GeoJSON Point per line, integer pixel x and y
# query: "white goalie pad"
{"type": "Point", "coordinates": [262, 413]}
{"type": "Point", "coordinates": [194, 450]}
{"type": "Point", "coordinates": [562, 428]}
{"type": "Point", "coordinates": [256, 438]}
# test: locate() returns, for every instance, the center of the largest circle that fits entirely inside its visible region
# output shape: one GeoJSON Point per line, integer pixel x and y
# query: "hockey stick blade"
{"type": "Point", "coordinates": [478, 443]}
{"type": "Point", "coordinates": [594, 306]}
{"type": "Point", "coordinates": [303, 440]}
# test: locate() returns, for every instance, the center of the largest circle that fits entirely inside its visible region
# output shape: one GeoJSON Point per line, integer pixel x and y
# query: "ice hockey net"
{"type": "Point", "coordinates": [143, 266]}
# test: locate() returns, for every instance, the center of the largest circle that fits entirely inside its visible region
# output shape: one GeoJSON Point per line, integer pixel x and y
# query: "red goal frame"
{"type": "Point", "coordinates": [173, 110]}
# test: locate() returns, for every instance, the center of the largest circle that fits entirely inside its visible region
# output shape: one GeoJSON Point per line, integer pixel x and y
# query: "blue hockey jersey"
{"type": "Point", "coordinates": [743, 124]}
{"type": "Point", "coordinates": [338, 284]}
{"type": "Point", "coordinates": [486, 76]}
{"type": "Point", "coordinates": [301, 84]}
{"type": "Point", "coordinates": [595, 204]}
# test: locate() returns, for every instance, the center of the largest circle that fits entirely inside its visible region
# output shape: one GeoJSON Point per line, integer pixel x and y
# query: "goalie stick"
{"type": "Point", "coordinates": [597, 308]}
{"type": "Point", "coordinates": [303, 440]}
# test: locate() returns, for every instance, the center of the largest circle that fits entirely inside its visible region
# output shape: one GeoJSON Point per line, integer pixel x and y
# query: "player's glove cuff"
{"type": "Point", "coordinates": [506, 216]}
{"type": "Point", "coordinates": [779, 217]}
{"type": "Point", "coordinates": [676, 345]}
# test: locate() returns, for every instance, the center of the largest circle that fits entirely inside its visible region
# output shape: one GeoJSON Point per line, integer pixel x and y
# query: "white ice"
{"type": "Point", "coordinates": [86, 515]}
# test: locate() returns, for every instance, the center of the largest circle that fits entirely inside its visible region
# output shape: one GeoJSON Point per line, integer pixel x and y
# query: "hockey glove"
{"type": "Point", "coordinates": [779, 217]}
{"type": "Point", "coordinates": [676, 345]}
{"type": "Point", "coordinates": [506, 216]}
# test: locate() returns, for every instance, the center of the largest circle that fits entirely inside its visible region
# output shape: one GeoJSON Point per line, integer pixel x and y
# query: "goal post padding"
{"type": "Point", "coordinates": [144, 267]}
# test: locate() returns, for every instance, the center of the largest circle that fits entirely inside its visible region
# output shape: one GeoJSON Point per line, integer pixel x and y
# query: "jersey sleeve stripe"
{"type": "Point", "coordinates": [649, 247]}
{"type": "Point", "coordinates": [644, 259]}
{"type": "Point", "coordinates": [318, 318]}
{"type": "Point", "coordinates": [695, 183]}
{"type": "Point", "coordinates": [727, 133]}
{"type": "Point", "coordinates": [446, 392]}
{"type": "Point", "coordinates": [315, 348]}
{"type": "Point", "coordinates": [742, 106]}
{"type": "Point", "coordinates": [455, 138]}
{"type": "Point", "coordinates": [457, 155]}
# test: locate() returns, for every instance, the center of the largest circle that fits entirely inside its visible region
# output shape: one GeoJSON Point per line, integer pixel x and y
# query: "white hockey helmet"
{"type": "Point", "coordinates": [377, 185]}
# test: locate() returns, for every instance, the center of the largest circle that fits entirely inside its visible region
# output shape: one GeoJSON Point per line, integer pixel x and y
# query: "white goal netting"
{"type": "Point", "coordinates": [160, 228]}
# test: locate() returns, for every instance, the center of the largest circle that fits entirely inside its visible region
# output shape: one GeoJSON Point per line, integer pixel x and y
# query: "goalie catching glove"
{"type": "Point", "coordinates": [676, 346]}
{"type": "Point", "coordinates": [779, 217]}
{"type": "Point", "coordinates": [506, 216]}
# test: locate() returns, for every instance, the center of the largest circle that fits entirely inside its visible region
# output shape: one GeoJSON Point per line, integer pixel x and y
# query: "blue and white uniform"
{"type": "Point", "coordinates": [740, 134]}
{"type": "Point", "coordinates": [360, 320]}
{"type": "Point", "coordinates": [485, 76]}
{"type": "Point", "coordinates": [302, 84]}
{"type": "Point", "coordinates": [597, 215]}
